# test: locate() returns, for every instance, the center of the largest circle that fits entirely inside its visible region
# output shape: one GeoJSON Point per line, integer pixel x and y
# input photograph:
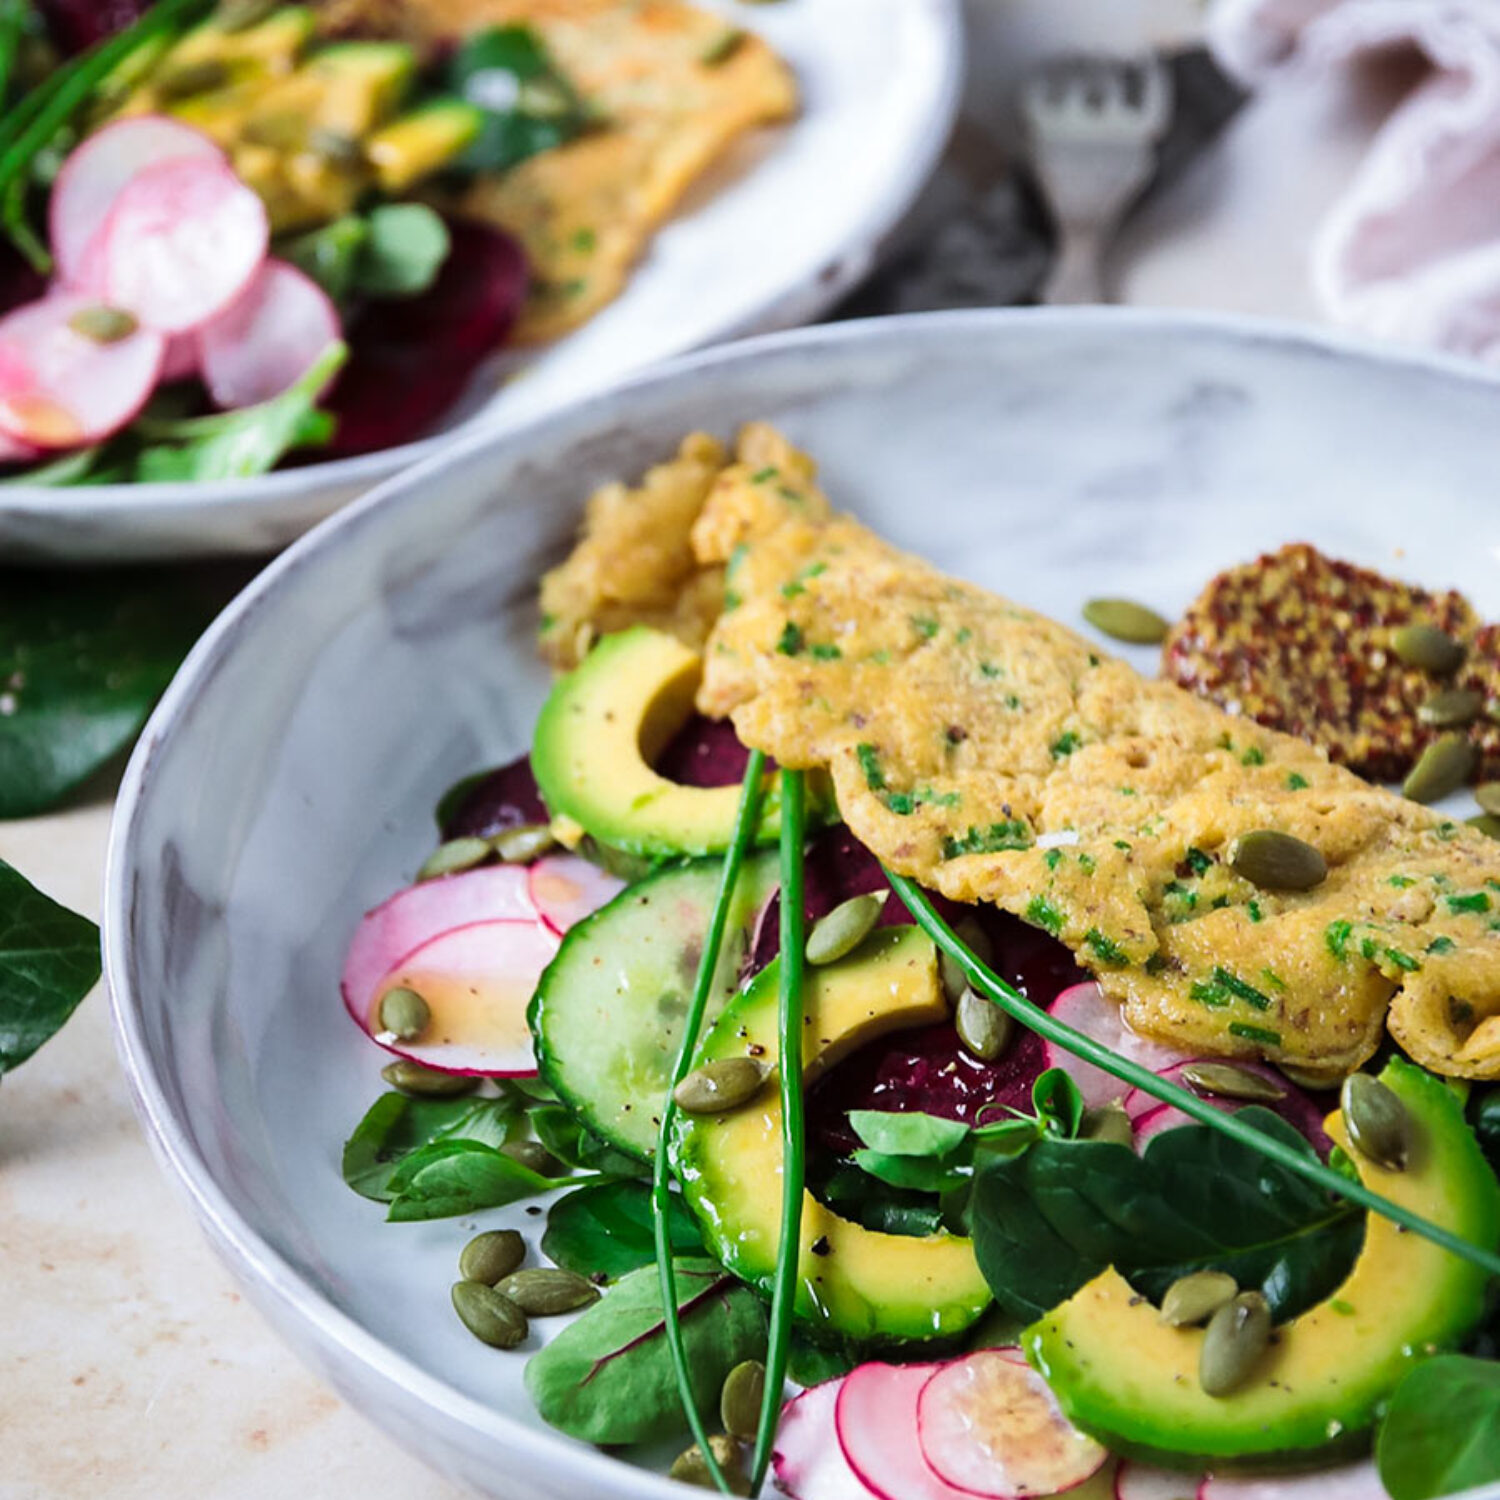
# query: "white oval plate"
{"type": "Point", "coordinates": [287, 781]}
{"type": "Point", "coordinates": [792, 220]}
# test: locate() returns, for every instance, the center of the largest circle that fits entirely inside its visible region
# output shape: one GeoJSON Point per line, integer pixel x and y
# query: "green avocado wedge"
{"type": "Point", "coordinates": [1130, 1380]}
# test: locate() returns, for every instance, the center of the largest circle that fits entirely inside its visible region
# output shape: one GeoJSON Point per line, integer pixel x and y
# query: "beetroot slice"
{"type": "Point", "coordinates": [506, 797]}
{"type": "Point", "coordinates": [876, 1417]}
{"type": "Point", "coordinates": [807, 1460]}
{"type": "Point", "coordinates": [704, 752]}
{"type": "Point", "coordinates": [76, 25]}
{"type": "Point", "coordinates": [410, 359]}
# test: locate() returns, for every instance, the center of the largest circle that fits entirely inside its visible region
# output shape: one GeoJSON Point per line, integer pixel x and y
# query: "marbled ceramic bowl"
{"type": "Point", "coordinates": [288, 779]}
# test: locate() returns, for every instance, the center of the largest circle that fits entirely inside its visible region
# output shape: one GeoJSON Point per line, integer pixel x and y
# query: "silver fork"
{"type": "Point", "coordinates": [1092, 124]}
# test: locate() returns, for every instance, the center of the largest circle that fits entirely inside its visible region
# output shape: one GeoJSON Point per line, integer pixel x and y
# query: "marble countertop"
{"type": "Point", "coordinates": [132, 1367]}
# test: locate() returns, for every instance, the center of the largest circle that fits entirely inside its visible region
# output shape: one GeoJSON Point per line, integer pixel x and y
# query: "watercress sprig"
{"type": "Point", "coordinates": [1075, 1042]}
{"type": "Point", "coordinates": [747, 818]}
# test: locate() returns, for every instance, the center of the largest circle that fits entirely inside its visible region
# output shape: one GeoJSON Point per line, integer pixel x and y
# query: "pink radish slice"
{"type": "Point", "coordinates": [1135, 1481]}
{"type": "Point", "coordinates": [1154, 1121]}
{"type": "Point", "coordinates": [1300, 1110]}
{"type": "Point", "coordinates": [413, 917]}
{"type": "Point", "coordinates": [807, 1460]}
{"type": "Point", "coordinates": [59, 389]}
{"type": "Point", "coordinates": [1085, 1008]}
{"type": "Point", "coordinates": [268, 337]}
{"type": "Point", "coordinates": [14, 451]}
{"type": "Point", "coordinates": [565, 889]}
{"type": "Point", "coordinates": [183, 240]}
{"type": "Point", "coordinates": [477, 982]}
{"type": "Point", "coordinates": [181, 359]}
{"type": "Point", "coordinates": [93, 176]}
{"type": "Point", "coordinates": [991, 1426]}
{"type": "Point", "coordinates": [876, 1418]}
{"type": "Point", "coordinates": [1352, 1482]}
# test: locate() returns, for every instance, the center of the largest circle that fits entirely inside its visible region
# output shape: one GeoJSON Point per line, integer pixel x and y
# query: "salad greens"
{"type": "Point", "coordinates": [608, 1229]}
{"type": "Point", "coordinates": [394, 250]}
{"type": "Point", "coordinates": [1442, 1431]}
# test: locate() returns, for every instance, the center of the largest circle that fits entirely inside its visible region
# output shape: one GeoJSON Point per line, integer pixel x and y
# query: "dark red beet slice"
{"type": "Point", "coordinates": [77, 24]}
{"type": "Point", "coordinates": [704, 752]}
{"type": "Point", "coordinates": [410, 359]}
{"type": "Point", "coordinates": [506, 797]}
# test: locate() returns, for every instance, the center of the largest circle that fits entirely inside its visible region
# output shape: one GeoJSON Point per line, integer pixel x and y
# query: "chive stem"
{"type": "Point", "coordinates": [793, 1146]}
{"type": "Point", "coordinates": [746, 820]}
{"type": "Point", "coordinates": [1051, 1029]}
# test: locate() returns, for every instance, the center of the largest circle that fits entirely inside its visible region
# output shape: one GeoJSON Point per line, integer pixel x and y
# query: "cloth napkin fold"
{"type": "Point", "coordinates": [1411, 250]}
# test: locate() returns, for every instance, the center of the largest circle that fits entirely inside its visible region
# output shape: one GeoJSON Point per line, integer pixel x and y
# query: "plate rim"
{"type": "Point", "coordinates": [247, 1254]}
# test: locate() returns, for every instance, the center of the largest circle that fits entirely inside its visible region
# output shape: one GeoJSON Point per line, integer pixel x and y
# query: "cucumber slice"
{"type": "Point", "coordinates": [607, 1014]}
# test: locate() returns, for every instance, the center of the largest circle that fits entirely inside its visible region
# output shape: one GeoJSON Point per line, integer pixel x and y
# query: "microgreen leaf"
{"type": "Point", "coordinates": [605, 1228]}
{"type": "Point", "coordinates": [1441, 1432]}
{"type": "Point", "coordinates": [449, 1177]}
{"type": "Point", "coordinates": [397, 1125]}
{"type": "Point", "coordinates": [907, 1134]}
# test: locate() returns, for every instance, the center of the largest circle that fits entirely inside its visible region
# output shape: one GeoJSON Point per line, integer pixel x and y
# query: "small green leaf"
{"type": "Point", "coordinates": [1058, 1104]}
{"type": "Point", "coordinates": [923, 1174]}
{"type": "Point", "coordinates": [606, 1228]}
{"type": "Point", "coordinates": [909, 1134]}
{"type": "Point", "coordinates": [1441, 1433]}
{"type": "Point", "coordinates": [404, 249]}
{"type": "Point", "coordinates": [397, 1125]}
{"type": "Point", "coordinates": [450, 1177]}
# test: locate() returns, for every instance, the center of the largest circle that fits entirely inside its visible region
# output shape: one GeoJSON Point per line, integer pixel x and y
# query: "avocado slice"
{"type": "Point", "coordinates": [270, 46]}
{"type": "Point", "coordinates": [601, 728]}
{"type": "Point", "coordinates": [422, 141]}
{"type": "Point", "coordinates": [1123, 1375]}
{"type": "Point", "coordinates": [855, 1282]}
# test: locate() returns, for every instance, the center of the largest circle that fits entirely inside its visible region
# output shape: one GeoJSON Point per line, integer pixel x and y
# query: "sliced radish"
{"type": "Point", "coordinates": [876, 1419]}
{"type": "Point", "coordinates": [565, 889]}
{"type": "Point", "coordinates": [990, 1425]}
{"type": "Point", "coordinates": [181, 359]}
{"type": "Point", "coordinates": [182, 241]}
{"type": "Point", "coordinates": [1358, 1481]}
{"type": "Point", "coordinates": [92, 177]}
{"type": "Point", "coordinates": [1085, 1008]}
{"type": "Point", "coordinates": [1135, 1481]}
{"type": "Point", "coordinates": [268, 338]}
{"type": "Point", "coordinates": [1154, 1121]}
{"type": "Point", "coordinates": [61, 389]}
{"type": "Point", "coordinates": [807, 1460]}
{"type": "Point", "coordinates": [477, 982]}
{"type": "Point", "coordinates": [1299, 1109]}
{"type": "Point", "coordinates": [14, 451]}
{"type": "Point", "coordinates": [413, 917]}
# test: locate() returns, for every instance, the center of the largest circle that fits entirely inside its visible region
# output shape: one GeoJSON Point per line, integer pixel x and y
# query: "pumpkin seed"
{"type": "Point", "coordinates": [1192, 1300]}
{"type": "Point", "coordinates": [1428, 649]}
{"type": "Point", "coordinates": [1451, 709]}
{"type": "Point", "coordinates": [1107, 1122]}
{"type": "Point", "coordinates": [521, 845]}
{"type": "Point", "coordinates": [281, 130]}
{"type": "Point", "coordinates": [720, 1086]}
{"type": "Point", "coordinates": [1231, 1082]}
{"type": "Point", "coordinates": [183, 80]}
{"type": "Point", "coordinates": [489, 1315]}
{"type": "Point", "coordinates": [1487, 795]}
{"type": "Point", "coordinates": [454, 856]}
{"type": "Point", "coordinates": [844, 928]}
{"type": "Point", "coordinates": [740, 1400]}
{"type": "Point", "coordinates": [1441, 768]}
{"type": "Point", "coordinates": [241, 15]}
{"type": "Point", "coordinates": [1237, 1336]}
{"type": "Point", "coordinates": [1378, 1124]}
{"type": "Point", "coordinates": [1312, 1078]}
{"type": "Point", "coordinates": [103, 325]}
{"type": "Point", "coordinates": [491, 1257]}
{"type": "Point", "coordinates": [427, 1083]}
{"type": "Point", "coordinates": [548, 1291]}
{"type": "Point", "coordinates": [1277, 861]}
{"type": "Point", "coordinates": [1125, 620]}
{"type": "Point", "coordinates": [404, 1013]}
{"type": "Point", "coordinates": [335, 147]}
{"type": "Point", "coordinates": [690, 1467]}
{"type": "Point", "coordinates": [984, 1029]}
{"type": "Point", "coordinates": [535, 1155]}
{"type": "Point", "coordinates": [955, 980]}
{"type": "Point", "coordinates": [1487, 823]}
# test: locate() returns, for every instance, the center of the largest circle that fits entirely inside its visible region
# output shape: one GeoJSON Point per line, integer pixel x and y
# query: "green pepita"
{"type": "Point", "coordinates": [183, 80]}
{"type": "Point", "coordinates": [1236, 1338]}
{"type": "Point", "coordinates": [1487, 795]}
{"type": "Point", "coordinates": [722, 48]}
{"type": "Point", "coordinates": [1487, 823]}
{"type": "Point", "coordinates": [240, 15]}
{"type": "Point", "coordinates": [1107, 1122]}
{"type": "Point", "coordinates": [534, 1156]}
{"type": "Point", "coordinates": [335, 147]}
{"type": "Point", "coordinates": [1192, 1300]}
{"type": "Point", "coordinates": [281, 130]}
{"type": "Point", "coordinates": [1312, 1078]}
{"type": "Point", "coordinates": [1444, 766]}
{"type": "Point", "coordinates": [690, 1467]}
{"type": "Point", "coordinates": [1377, 1122]}
{"type": "Point", "coordinates": [740, 1400]}
{"type": "Point", "coordinates": [976, 940]}
{"type": "Point", "coordinates": [844, 928]}
{"type": "Point", "coordinates": [454, 856]}
{"type": "Point", "coordinates": [1428, 649]}
{"type": "Point", "coordinates": [1231, 1082]}
{"type": "Point", "coordinates": [491, 1257]}
{"type": "Point", "coordinates": [984, 1029]}
{"type": "Point", "coordinates": [404, 1014]}
{"type": "Point", "coordinates": [489, 1315]}
{"type": "Point", "coordinates": [1277, 861]}
{"type": "Point", "coordinates": [103, 325]}
{"type": "Point", "coordinates": [548, 1291]}
{"type": "Point", "coordinates": [427, 1083]}
{"type": "Point", "coordinates": [718, 1087]}
{"type": "Point", "coordinates": [1125, 620]}
{"type": "Point", "coordinates": [1451, 709]}
{"type": "Point", "coordinates": [521, 845]}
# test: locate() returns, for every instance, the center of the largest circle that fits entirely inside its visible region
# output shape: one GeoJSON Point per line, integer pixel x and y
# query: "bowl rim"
{"type": "Point", "coordinates": [229, 1231]}
{"type": "Point", "coordinates": [792, 304]}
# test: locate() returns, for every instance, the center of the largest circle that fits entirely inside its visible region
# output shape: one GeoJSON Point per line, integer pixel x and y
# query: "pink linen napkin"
{"type": "Point", "coordinates": [1411, 250]}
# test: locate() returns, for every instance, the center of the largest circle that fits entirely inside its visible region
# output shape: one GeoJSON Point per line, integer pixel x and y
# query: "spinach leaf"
{"type": "Point", "coordinates": [1484, 1116]}
{"type": "Point", "coordinates": [529, 106]}
{"type": "Point", "coordinates": [811, 1362]}
{"type": "Point", "coordinates": [922, 1174]}
{"type": "Point", "coordinates": [397, 1125]}
{"type": "Point", "coordinates": [330, 253]}
{"type": "Point", "coordinates": [558, 1130]}
{"type": "Point", "coordinates": [49, 960]}
{"type": "Point", "coordinates": [396, 250]}
{"type": "Point", "coordinates": [909, 1134]}
{"type": "Point", "coordinates": [607, 1228]}
{"type": "Point", "coordinates": [82, 660]}
{"type": "Point", "coordinates": [1441, 1432]}
{"type": "Point", "coordinates": [608, 1376]}
{"type": "Point", "coordinates": [454, 1176]}
{"type": "Point", "coordinates": [1050, 1219]}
